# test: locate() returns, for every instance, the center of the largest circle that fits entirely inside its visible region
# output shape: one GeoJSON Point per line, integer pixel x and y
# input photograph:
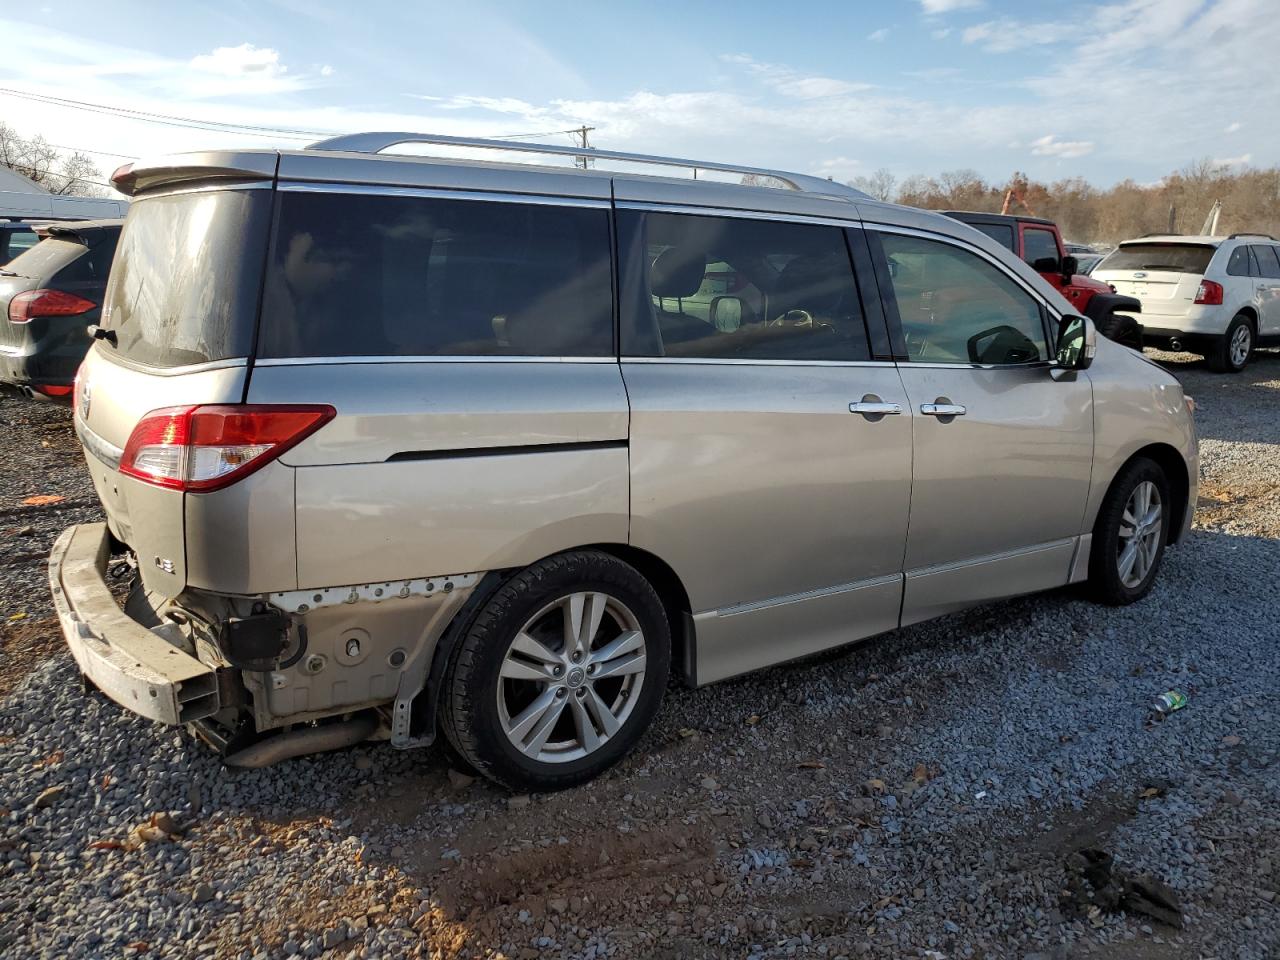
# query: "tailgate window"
{"type": "Point", "coordinates": [401, 276]}
{"type": "Point", "coordinates": [1171, 257]}
{"type": "Point", "coordinates": [187, 274]}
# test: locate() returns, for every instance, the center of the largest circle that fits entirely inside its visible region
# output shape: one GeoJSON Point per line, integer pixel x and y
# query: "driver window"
{"type": "Point", "coordinates": [955, 307]}
{"type": "Point", "coordinates": [728, 288]}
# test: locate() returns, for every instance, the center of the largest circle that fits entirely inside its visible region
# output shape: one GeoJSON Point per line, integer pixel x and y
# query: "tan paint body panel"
{"type": "Point", "coordinates": [361, 523]}
{"type": "Point", "coordinates": [391, 408]}
{"type": "Point", "coordinates": [755, 483]}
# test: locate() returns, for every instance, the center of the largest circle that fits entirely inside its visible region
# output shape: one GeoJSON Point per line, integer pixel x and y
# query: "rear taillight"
{"type": "Point", "coordinates": [1209, 294]}
{"type": "Point", "coordinates": [51, 389]}
{"type": "Point", "coordinates": [25, 307]}
{"type": "Point", "coordinates": [208, 448]}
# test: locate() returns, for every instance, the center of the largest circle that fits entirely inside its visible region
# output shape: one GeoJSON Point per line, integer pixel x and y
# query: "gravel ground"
{"type": "Point", "coordinates": [919, 796]}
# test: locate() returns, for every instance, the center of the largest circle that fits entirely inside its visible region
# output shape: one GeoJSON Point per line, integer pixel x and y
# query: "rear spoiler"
{"type": "Point", "coordinates": [204, 167]}
{"type": "Point", "coordinates": [83, 231]}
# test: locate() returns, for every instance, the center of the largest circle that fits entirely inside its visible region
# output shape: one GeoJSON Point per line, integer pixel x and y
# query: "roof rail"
{"type": "Point", "coordinates": [1160, 233]}
{"type": "Point", "coordinates": [377, 142]}
{"type": "Point", "coordinates": [1246, 234]}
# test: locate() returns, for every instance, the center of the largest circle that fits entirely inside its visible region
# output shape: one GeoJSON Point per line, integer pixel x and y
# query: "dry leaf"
{"type": "Point", "coordinates": [688, 732]}
{"type": "Point", "coordinates": [876, 784]}
{"type": "Point", "coordinates": [107, 845]}
{"type": "Point", "coordinates": [1150, 792]}
{"type": "Point", "coordinates": [50, 760]}
{"type": "Point", "coordinates": [920, 774]}
{"type": "Point", "coordinates": [20, 615]}
{"type": "Point", "coordinates": [811, 765]}
{"type": "Point", "coordinates": [43, 500]}
{"type": "Point", "coordinates": [753, 719]}
{"type": "Point", "coordinates": [1231, 740]}
{"type": "Point", "coordinates": [140, 945]}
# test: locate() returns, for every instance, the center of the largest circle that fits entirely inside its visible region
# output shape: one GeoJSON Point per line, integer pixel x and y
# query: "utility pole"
{"type": "Point", "coordinates": [582, 132]}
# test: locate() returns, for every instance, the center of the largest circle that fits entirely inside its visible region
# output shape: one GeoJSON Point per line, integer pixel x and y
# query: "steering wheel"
{"type": "Point", "coordinates": [794, 318]}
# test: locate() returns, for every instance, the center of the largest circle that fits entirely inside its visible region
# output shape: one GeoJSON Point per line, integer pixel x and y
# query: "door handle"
{"type": "Point", "coordinates": [873, 408]}
{"type": "Point", "coordinates": [943, 409]}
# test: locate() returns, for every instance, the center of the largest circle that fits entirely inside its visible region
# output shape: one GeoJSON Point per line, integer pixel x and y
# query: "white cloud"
{"type": "Point", "coordinates": [941, 34]}
{"type": "Point", "coordinates": [878, 35]}
{"type": "Point", "coordinates": [946, 6]}
{"type": "Point", "coordinates": [1051, 146]}
{"type": "Point", "coordinates": [1240, 161]}
{"type": "Point", "coordinates": [1232, 127]}
{"type": "Point", "coordinates": [244, 60]}
{"type": "Point", "coordinates": [1005, 35]}
{"type": "Point", "coordinates": [792, 83]}
{"type": "Point", "coordinates": [326, 71]}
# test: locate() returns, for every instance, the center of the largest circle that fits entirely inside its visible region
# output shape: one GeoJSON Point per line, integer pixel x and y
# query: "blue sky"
{"type": "Point", "coordinates": [1130, 88]}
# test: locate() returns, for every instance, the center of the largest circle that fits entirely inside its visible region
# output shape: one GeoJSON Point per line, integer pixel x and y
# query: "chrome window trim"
{"type": "Point", "coordinates": [755, 606]}
{"type": "Point", "coordinates": [933, 365]}
{"type": "Point", "coordinates": [748, 362]}
{"type": "Point", "coordinates": [342, 361]}
{"type": "Point", "coordinates": [130, 364]}
{"type": "Point", "coordinates": [814, 220]}
{"type": "Point", "coordinates": [440, 193]}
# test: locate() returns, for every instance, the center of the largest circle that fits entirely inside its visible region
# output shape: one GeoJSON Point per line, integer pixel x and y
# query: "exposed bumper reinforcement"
{"type": "Point", "coordinates": [126, 661]}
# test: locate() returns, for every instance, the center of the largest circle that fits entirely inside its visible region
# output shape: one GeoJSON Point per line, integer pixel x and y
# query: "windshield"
{"type": "Point", "coordinates": [184, 288]}
{"type": "Point", "coordinates": [1175, 257]}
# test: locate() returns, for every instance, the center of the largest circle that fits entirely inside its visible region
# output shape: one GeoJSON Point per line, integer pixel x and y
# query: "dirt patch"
{"type": "Point", "coordinates": [1223, 505]}
{"type": "Point", "coordinates": [24, 645]}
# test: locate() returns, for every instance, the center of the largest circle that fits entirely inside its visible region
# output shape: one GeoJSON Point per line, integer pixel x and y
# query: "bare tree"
{"type": "Point", "coordinates": [879, 185]}
{"type": "Point", "coordinates": [73, 175]}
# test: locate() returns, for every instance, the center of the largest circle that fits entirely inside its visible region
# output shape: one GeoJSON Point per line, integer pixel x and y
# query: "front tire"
{"type": "Point", "coordinates": [1123, 329]}
{"type": "Point", "coordinates": [1231, 352]}
{"type": "Point", "coordinates": [560, 673]}
{"type": "Point", "coordinates": [1130, 534]}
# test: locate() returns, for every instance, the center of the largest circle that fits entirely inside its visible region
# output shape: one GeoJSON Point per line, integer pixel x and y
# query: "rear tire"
{"type": "Point", "coordinates": [1231, 352]}
{"type": "Point", "coordinates": [560, 673]}
{"type": "Point", "coordinates": [1130, 534]}
{"type": "Point", "coordinates": [1123, 329]}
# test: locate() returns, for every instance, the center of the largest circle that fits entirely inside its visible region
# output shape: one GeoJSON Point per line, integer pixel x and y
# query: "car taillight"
{"type": "Point", "coordinates": [208, 448]}
{"type": "Point", "coordinates": [52, 389]}
{"type": "Point", "coordinates": [1209, 294]}
{"type": "Point", "coordinates": [25, 307]}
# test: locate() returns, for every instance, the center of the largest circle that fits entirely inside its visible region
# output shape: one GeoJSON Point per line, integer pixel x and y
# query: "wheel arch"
{"type": "Point", "coordinates": [1174, 466]}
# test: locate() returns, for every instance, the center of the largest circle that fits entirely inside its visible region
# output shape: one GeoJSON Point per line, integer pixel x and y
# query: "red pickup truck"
{"type": "Point", "coordinates": [1039, 243]}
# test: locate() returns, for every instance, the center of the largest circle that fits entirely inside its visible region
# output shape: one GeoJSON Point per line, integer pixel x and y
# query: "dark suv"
{"type": "Point", "coordinates": [49, 296]}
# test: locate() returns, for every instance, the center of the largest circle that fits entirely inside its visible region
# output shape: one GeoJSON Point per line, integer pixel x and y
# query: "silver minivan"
{"type": "Point", "coordinates": [400, 444]}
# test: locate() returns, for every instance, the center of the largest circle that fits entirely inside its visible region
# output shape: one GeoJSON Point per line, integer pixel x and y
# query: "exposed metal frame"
{"type": "Point", "coordinates": [377, 142]}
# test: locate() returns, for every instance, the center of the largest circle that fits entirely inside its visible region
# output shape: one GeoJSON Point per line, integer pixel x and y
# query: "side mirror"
{"type": "Point", "coordinates": [1070, 267]}
{"type": "Point", "coordinates": [1077, 343]}
{"type": "Point", "coordinates": [1047, 265]}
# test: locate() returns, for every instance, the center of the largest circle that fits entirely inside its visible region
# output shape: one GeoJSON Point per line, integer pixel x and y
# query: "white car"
{"type": "Point", "coordinates": [1216, 296]}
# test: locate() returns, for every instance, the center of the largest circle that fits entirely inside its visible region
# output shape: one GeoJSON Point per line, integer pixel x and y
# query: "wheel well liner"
{"type": "Point", "coordinates": [1101, 304]}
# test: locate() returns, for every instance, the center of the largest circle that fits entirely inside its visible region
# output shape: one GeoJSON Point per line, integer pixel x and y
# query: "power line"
{"type": "Point", "coordinates": [169, 120]}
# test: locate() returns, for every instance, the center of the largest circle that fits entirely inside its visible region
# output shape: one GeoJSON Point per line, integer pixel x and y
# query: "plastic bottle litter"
{"type": "Point", "coordinates": [1167, 703]}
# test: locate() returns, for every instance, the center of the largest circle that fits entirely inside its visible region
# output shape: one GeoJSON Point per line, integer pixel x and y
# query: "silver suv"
{"type": "Point", "coordinates": [398, 444]}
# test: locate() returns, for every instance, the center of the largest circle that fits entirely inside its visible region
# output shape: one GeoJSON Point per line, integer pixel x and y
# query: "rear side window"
{"type": "Point", "coordinates": [729, 288]}
{"type": "Point", "coordinates": [1268, 263]}
{"type": "Point", "coordinates": [15, 242]}
{"type": "Point", "coordinates": [188, 270]}
{"type": "Point", "coordinates": [1173, 257]}
{"type": "Point", "coordinates": [374, 275]}
{"type": "Point", "coordinates": [1238, 264]}
{"type": "Point", "coordinates": [1001, 233]}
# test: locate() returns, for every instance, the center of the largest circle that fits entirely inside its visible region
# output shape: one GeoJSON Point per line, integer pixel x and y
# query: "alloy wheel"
{"type": "Point", "coordinates": [1141, 528]}
{"type": "Point", "coordinates": [1241, 341]}
{"type": "Point", "coordinates": [571, 677]}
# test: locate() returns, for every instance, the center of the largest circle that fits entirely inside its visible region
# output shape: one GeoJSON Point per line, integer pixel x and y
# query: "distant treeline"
{"type": "Point", "coordinates": [1250, 200]}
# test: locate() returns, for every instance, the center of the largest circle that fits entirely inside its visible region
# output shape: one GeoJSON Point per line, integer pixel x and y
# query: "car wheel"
{"type": "Point", "coordinates": [1123, 329]}
{"type": "Point", "coordinates": [1130, 534]}
{"type": "Point", "coordinates": [559, 674]}
{"type": "Point", "coordinates": [1231, 352]}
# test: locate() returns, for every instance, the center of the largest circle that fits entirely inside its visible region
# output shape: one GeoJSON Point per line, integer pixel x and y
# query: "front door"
{"type": "Point", "coordinates": [770, 449]}
{"type": "Point", "coordinates": [1003, 443]}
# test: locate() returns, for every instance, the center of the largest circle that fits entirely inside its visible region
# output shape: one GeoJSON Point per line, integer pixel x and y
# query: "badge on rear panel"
{"type": "Point", "coordinates": [165, 565]}
{"type": "Point", "coordinates": [86, 395]}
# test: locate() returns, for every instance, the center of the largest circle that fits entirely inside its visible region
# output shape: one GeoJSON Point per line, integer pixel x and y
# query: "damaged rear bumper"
{"type": "Point", "coordinates": [133, 666]}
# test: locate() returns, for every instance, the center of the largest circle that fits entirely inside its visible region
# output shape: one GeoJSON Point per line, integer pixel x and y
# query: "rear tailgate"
{"type": "Point", "coordinates": [1163, 276]}
{"type": "Point", "coordinates": [182, 307]}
